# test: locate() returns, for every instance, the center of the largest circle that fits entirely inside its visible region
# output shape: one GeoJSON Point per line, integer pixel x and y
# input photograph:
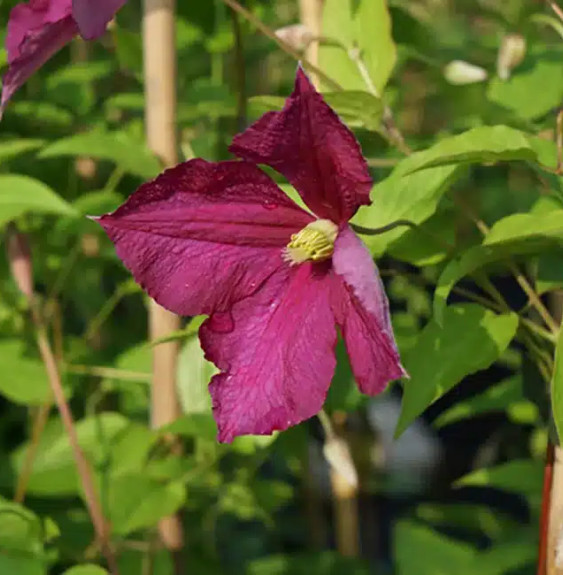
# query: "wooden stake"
{"type": "Point", "coordinates": [160, 118]}
{"type": "Point", "coordinates": [555, 526]}
{"type": "Point", "coordinates": [312, 17]}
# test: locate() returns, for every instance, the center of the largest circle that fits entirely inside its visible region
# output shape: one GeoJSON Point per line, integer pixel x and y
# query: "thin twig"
{"type": "Point", "coordinates": [393, 133]}
{"type": "Point", "coordinates": [533, 297]}
{"type": "Point", "coordinates": [256, 22]}
{"type": "Point", "coordinates": [555, 7]}
{"type": "Point", "coordinates": [109, 372]}
{"type": "Point", "coordinates": [82, 466]}
{"type": "Point", "coordinates": [559, 141]}
{"type": "Point", "coordinates": [39, 422]}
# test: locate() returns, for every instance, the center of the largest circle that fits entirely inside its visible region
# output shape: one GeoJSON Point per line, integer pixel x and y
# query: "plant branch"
{"type": "Point", "coordinates": [523, 282]}
{"type": "Point", "coordinates": [555, 7]}
{"type": "Point", "coordinates": [267, 31]}
{"type": "Point", "coordinates": [39, 421]}
{"type": "Point", "coordinates": [82, 466]}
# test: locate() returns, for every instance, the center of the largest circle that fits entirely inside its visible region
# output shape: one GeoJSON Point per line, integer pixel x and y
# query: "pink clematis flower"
{"type": "Point", "coordinates": [222, 239]}
{"type": "Point", "coordinates": [40, 28]}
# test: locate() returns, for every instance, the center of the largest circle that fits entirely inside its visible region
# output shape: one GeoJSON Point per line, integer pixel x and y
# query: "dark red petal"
{"type": "Point", "coordinates": [36, 31]}
{"type": "Point", "coordinates": [313, 149]}
{"type": "Point", "coordinates": [275, 351]}
{"type": "Point", "coordinates": [92, 17]}
{"type": "Point", "coordinates": [362, 312]}
{"type": "Point", "coordinates": [203, 235]}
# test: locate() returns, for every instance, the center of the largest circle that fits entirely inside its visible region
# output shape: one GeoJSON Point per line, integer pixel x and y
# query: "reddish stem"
{"type": "Point", "coordinates": [545, 508]}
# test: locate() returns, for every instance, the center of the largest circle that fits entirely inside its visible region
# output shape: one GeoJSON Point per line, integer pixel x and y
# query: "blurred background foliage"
{"type": "Point", "coordinates": [460, 489]}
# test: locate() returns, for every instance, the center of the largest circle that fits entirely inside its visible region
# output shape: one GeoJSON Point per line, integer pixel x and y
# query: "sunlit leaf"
{"type": "Point", "coordinates": [116, 147]}
{"type": "Point", "coordinates": [22, 194]}
{"type": "Point", "coordinates": [86, 570]}
{"type": "Point", "coordinates": [480, 145]}
{"type": "Point", "coordinates": [193, 376]}
{"type": "Point", "coordinates": [535, 87]}
{"type": "Point", "coordinates": [10, 149]}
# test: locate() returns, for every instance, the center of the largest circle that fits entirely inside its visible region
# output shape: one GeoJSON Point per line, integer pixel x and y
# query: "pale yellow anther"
{"type": "Point", "coordinates": [315, 242]}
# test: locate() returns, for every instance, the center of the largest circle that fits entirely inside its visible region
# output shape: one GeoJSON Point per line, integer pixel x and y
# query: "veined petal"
{"type": "Point", "coordinates": [36, 31]}
{"type": "Point", "coordinates": [362, 312]}
{"type": "Point", "coordinates": [313, 149]}
{"type": "Point", "coordinates": [203, 235]}
{"type": "Point", "coordinates": [92, 17]}
{"type": "Point", "coordinates": [275, 351]}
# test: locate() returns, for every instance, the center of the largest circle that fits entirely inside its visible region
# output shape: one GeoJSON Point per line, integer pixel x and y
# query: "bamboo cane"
{"type": "Point", "coordinates": [160, 115]}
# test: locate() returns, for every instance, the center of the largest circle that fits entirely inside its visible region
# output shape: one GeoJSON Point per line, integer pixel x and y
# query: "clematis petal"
{"type": "Point", "coordinates": [36, 31]}
{"type": "Point", "coordinates": [203, 235]}
{"type": "Point", "coordinates": [275, 351]}
{"type": "Point", "coordinates": [93, 17]}
{"type": "Point", "coordinates": [313, 149]}
{"type": "Point", "coordinates": [362, 312]}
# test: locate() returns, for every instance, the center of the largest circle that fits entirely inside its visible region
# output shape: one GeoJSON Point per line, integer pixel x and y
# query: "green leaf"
{"type": "Point", "coordinates": [23, 378]}
{"type": "Point", "coordinates": [470, 339]}
{"type": "Point", "coordinates": [515, 235]}
{"type": "Point", "coordinates": [54, 470]}
{"type": "Point", "coordinates": [495, 398]}
{"type": "Point", "coordinates": [535, 87]}
{"type": "Point", "coordinates": [522, 476]}
{"type": "Point", "coordinates": [550, 271]}
{"type": "Point", "coordinates": [358, 109]}
{"type": "Point", "coordinates": [338, 25]}
{"type": "Point", "coordinates": [97, 202]}
{"type": "Point", "coordinates": [86, 570]}
{"type": "Point", "coordinates": [193, 376]}
{"type": "Point", "coordinates": [22, 194]}
{"type": "Point", "coordinates": [548, 21]}
{"type": "Point", "coordinates": [117, 147]}
{"type": "Point", "coordinates": [557, 386]}
{"type": "Point", "coordinates": [10, 149]}
{"type": "Point", "coordinates": [427, 245]}
{"type": "Point", "coordinates": [136, 501]}
{"type": "Point", "coordinates": [413, 197]}
{"type": "Point", "coordinates": [375, 42]}
{"type": "Point", "coordinates": [479, 145]}
{"type": "Point", "coordinates": [200, 425]}
{"type": "Point", "coordinates": [421, 550]}
{"type": "Point", "coordinates": [320, 563]}
{"type": "Point", "coordinates": [365, 29]}
{"type": "Point", "coordinates": [467, 517]}
{"type": "Point", "coordinates": [21, 541]}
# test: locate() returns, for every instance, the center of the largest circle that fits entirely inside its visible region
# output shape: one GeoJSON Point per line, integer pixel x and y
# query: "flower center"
{"type": "Point", "coordinates": [315, 242]}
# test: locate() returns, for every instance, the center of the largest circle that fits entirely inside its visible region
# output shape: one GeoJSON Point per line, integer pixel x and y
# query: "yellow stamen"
{"type": "Point", "coordinates": [315, 242]}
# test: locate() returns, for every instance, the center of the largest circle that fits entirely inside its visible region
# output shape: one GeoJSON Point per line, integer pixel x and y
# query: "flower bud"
{"type": "Point", "coordinates": [337, 453]}
{"type": "Point", "coordinates": [511, 53]}
{"type": "Point", "coordinates": [19, 258]}
{"type": "Point", "coordinates": [297, 36]}
{"type": "Point", "coordinates": [459, 73]}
